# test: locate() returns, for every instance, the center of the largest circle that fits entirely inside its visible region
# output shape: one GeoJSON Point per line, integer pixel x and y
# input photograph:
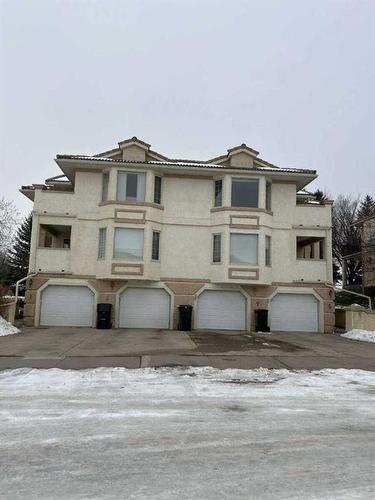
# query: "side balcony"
{"type": "Point", "coordinates": [312, 215]}
{"type": "Point", "coordinates": [53, 260]}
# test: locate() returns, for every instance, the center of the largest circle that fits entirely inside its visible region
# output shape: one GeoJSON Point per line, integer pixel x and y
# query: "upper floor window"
{"type": "Point", "coordinates": [102, 242]}
{"type": "Point", "coordinates": [268, 251]}
{"type": "Point", "coordinates": [157, 189]}
{"type": "Point", "coordinates": [155, 245]}
{"type": "Point", "coordinates": [128, 244]}
{"type": "Point", "coordinates": [216, 248]}
{"type": "Point", "coordinates": [218, 193]}
{"type": "Point", "coordinates": [312, 247]}
{"type": "Point", "coordinates": [243, 248]}
{"type": "Point", "coordinates": [268, 195]}
{"type": "Point", "coordinates": [245, 192]}
{"type": "Point", "coordinates": [105, 183]}
{"type": "Point", "coordinates": [131, 186]}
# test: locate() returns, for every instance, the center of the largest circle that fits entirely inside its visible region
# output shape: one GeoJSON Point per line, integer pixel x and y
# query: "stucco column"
{"type": "Point", "coordinates": [227, 190]}
{"type": "Point", "coordinates": [262, 192]}
{"type": "Point", "coordinates": [150, 179]}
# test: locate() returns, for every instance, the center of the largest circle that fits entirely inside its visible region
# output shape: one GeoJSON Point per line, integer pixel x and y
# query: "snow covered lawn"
{"type": "Point", "coordinates": [189, 433]}
{"type": "Point", "coordinates": [364, 335]}
{"type": "Point", "coordinates": [7, 328]}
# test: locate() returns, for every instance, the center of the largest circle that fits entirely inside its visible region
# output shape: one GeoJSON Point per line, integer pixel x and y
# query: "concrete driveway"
{"type": "Point", "coordinates": [64, 347]}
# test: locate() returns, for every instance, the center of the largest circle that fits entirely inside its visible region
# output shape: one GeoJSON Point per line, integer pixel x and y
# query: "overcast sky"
{"type": "Point", "coordinates": [294, 80]}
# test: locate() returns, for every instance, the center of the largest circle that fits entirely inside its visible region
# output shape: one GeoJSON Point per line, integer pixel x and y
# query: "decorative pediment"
{"type": "Point", "coordinates": [238, 156]}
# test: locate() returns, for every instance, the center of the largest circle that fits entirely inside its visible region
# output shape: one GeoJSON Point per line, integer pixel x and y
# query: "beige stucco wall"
{"type": "Point", "coordinates": [359, 319]}
{"type": "Point", "coordinates": [186, 221]}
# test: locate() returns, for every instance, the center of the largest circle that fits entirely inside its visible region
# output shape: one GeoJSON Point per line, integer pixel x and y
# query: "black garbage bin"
{"type": "Point", "coordinates": [261, 320]}
{"type": "Point", "coordinates": [103, 321]}
{"type": "Point", "coordinates": [185, 317]}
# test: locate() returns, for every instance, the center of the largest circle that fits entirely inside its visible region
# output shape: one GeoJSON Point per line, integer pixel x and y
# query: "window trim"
{"type": "Point", "coordinates": [155, 231]}
{"type": "Point", "coordinates": [243, 263]}
{"type": "Point", "coordinates": [122, 258]}
{"type": "Point", "coordinates": [213, 261]}
{"type": "Point", "coordinates": [243, 179]}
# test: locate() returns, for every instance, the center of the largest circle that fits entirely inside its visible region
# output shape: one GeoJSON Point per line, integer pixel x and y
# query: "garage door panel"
{"type": "Point", "coordinates": [144, 308]}
{"type": "Point", "coordinates": [63, 305]}
{"type": "Point", "coordinates": [221, 310]}
{"type": "Point", "coordinates": [294, 312]}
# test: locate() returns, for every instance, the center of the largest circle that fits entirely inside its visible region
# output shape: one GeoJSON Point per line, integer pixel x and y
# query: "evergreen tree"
{"type": "Point", "coordinates": [320, 195]}
{"type": "Point", "coordinates": [366, 207]}
{"type": "Point", "coordinates": [18, 257]}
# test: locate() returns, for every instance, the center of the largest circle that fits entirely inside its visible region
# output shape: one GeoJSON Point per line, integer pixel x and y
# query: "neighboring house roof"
{"type": "Point", "coordinates": [364, 219]}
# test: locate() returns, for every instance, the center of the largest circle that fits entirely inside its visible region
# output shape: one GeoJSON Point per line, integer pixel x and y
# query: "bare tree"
{"type": "Point", "coordinates": [8, 222]}
{"type": "Point", "coordinates": [346, 238]}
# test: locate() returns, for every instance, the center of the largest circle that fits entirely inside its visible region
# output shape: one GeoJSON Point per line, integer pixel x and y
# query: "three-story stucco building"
{"type": "Point", "coordinates": [147, 233]}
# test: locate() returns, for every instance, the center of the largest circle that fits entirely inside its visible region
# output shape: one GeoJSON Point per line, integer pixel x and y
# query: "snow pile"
{"type": "Point", "coordinates": [7, 328]}
{"type": "Point", "coordinates": [364, 335]}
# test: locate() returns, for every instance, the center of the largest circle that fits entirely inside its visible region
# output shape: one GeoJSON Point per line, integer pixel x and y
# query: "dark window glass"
{"type": "Point", "coordinates": [131, 186]}
{"type": "Point", "coordinates": [157, 190]}
{"type": "Point", "coordinates": [244, 193]}
{"type": "Point", "coordinates": [155, 245]}
{"type": "Point", "coordinates": [268, 195]}
{"type": "Point", "coordinates": [268, 250]}
{"type": "Point", "coordinates": [105, 187]}
{"type": "Point", "coordinates": [216, 254]}
{"type": "Point", "coordinates": [218, 193]}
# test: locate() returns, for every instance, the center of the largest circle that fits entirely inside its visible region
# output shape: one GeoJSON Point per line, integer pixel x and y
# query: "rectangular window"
{"type": "Point", "coordinates": [218, 193]}
{"type": "Point", "coordinates": [105, 182]}
{"type": "Point", "coordinates": [128, 244]}
{"type": "Point", "coordinates": [157, 190]}
{"type": "Point", "coordinates": [131, 186]}
{"type": "Point", "coordinates": [268, 251]}
{"type": "Point", "coordinates": [268, 195]}
{"type": "Point", "coordinates": [310, 248]}
{"type": "Point", "coordinates": [155, 245]}
{"type": "Point", "coordinates": [102, 241]}
{"type": "Point", "coordinates": [216, 248]}
{"type": "Point", "coordinates": [244, 248]}
{"type": "Point", "coordinates": [245, 193]}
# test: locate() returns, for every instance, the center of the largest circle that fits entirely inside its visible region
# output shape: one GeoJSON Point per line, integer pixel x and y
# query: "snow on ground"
{"type": "Point", "coordinates": [187, 433]}
{"type": "Point", "coordinates": [7, 328]}
{"type": "Point", "coordinates": [364, 335]}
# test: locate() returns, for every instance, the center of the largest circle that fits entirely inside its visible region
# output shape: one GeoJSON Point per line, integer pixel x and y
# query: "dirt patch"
{"type": "Point", "coordinates": [220, 342]}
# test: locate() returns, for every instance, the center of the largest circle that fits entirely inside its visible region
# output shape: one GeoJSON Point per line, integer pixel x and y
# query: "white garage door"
{"type": "Point", "coordinates": [294, 312]}
{"type": "Point", "coordinates": [144, 308]}
{"type": "Point", "coordinates": [66, 306]}
{"type": "Point", "coordinates": [221, 310]}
